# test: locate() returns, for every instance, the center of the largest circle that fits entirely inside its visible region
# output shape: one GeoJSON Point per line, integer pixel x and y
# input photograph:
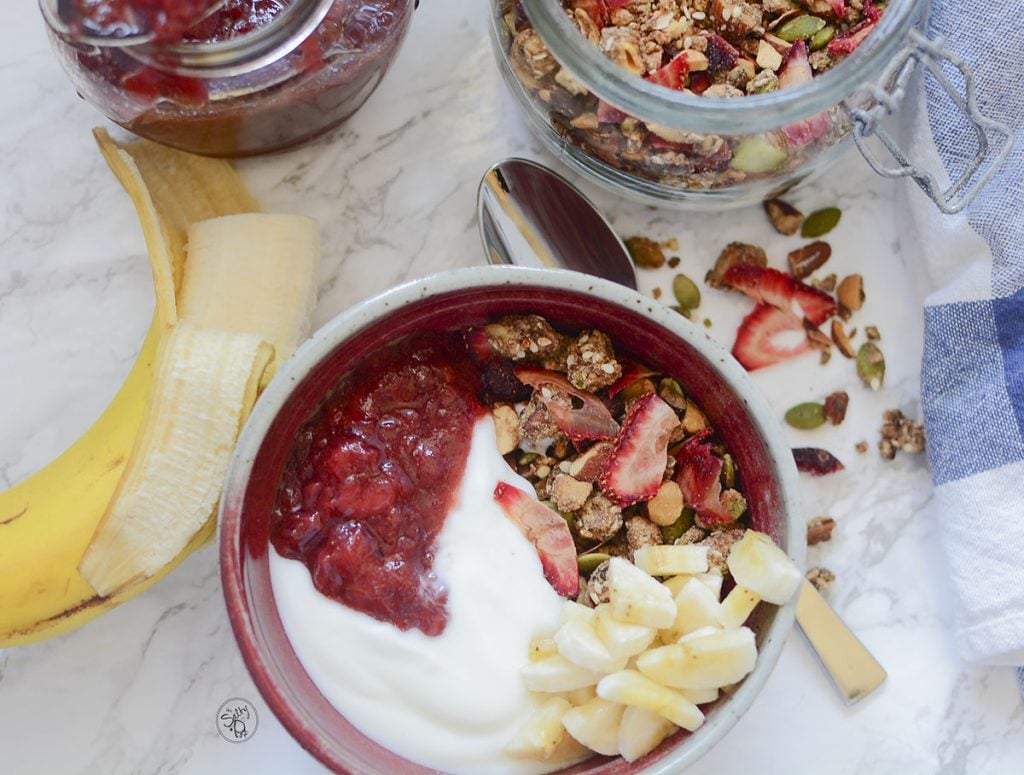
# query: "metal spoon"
{"type": "Point", "coordinates": [530, 216]}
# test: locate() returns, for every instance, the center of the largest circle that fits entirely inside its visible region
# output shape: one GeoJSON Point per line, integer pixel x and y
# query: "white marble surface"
{"type": "Point", "coordinates": [138, 690]}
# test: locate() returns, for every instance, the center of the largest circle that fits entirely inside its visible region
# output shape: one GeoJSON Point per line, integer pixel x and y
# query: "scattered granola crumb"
{"type": "Point", "coordinates": [707, 322]}
{"type": "Point", "coordinates": [693, 535]}
{"type": "Point", "coordinates": [656, 293]}
{"type": "Point", "coordinates": [674, 262]}
{"type": "Point", "coordinates": [826, 355]}
{"type": "Point", "coordinates": [591, 361]}
{"type": "Point", "coordinates": [821, 578]}
{"type": "Point", "coordinates": [645, 252]}
{"type": "Point", "coordinates": [640, 531]}
{"type": "Point", "coordinates": [835, 406]}
{"type": "Point", "coordinates": [599, 519]}
{"type": "Point", "coordinates": [862, 447]}
{"type": "Point", "coordinates": [719, 545]}
{"type": "Point", "coordinates": [871, 332]}
{"type": "Point", "coordinates": [820, 529]}
{"type": "Point", "coordinates": [784, 217]}
{"type": "Point", "coordinates": [900, 433]}
{"type": "Point", "coordinates": [670, 244]}
{"type": "Point", "coordinates": [735, 254]}
{"type": "Point", "coordinates": [827, 283]}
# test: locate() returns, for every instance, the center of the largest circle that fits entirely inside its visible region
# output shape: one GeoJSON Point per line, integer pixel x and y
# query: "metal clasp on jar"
{"type": "Point", "coordinates": [994, 139]}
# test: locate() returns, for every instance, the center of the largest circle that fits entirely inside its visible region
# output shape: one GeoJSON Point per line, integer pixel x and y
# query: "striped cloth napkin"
{"type": "Point", "coordinates": [972, 379]}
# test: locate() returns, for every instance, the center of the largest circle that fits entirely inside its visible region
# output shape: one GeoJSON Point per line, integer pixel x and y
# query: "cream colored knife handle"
{"type": "Point", "coordinates": [852, 668]}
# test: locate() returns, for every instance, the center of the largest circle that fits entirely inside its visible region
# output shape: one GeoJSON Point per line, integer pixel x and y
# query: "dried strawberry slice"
{"type": "Point", "coordinates": [698, 472]}
{"type": "Point", "coordinates": [768, 335]}
{"type": "Point", "coordinates": [636, 466]}
{"type": "Point", "coordinates": [721, 54]}
{"type": "Point", "coordinates": [844, 45]}
{"type": "Point", "coordinates": [673, 75]}
{"type": "Point", "coordinates": [770, 286]}
{"type": "Point", "coordinates": [479, 345]}
{"type": "Point", "coordinates": [796, 70]}
{"type": "Point", "coordinates": [609, 114]}
{"type": "Point", "coordinates": [548, 532]}
{"type": "Point", "coordinates": [631, 372]}
{"type": "Point", "coordinates": [817, 462]}
{"type": "Point", "coordinates": [590, 421]}
{"type": "Point", "coordinates": [700, 82]}
{"type": "Point", "coordinates": [838, 7]}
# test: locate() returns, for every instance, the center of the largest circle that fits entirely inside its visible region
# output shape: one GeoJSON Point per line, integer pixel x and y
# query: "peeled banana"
{"type": "Point", "coordinates": [48, 521]}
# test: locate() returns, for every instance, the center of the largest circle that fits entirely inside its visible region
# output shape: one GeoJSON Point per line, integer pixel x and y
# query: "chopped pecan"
{"type": "Point", "coordinates": [820, 529]}
{"type": "Point", "coordinates": [805, 261]}
{"type": "Point", "coordinates": [899, 433]}
{"type": "Point", "coordinates": [835, 406]}
{"type": "Point", "coordinates": [821, 578]}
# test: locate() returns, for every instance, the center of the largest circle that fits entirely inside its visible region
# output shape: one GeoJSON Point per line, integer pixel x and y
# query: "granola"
{"type": "Point", "coordinates": [719, 49]}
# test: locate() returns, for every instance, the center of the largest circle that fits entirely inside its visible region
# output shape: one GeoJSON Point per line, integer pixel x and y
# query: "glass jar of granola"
{"type": "Point", "coordinates": [242, 78]}
{"type": "Point", "coordinates": [722, 102]}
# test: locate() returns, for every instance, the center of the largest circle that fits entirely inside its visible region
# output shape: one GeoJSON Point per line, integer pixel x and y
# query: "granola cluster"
{"type": "Point", "coordinates": [712, 48]}
{"type": "Point", "coordinates": [616, 448]}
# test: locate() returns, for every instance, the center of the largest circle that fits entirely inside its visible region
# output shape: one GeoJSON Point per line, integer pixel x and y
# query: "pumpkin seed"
{"type": "Point", "coordinates": [645, 252]}
{"type": "Point", "coordinates": [757, 155]}
{"type": "Point", "coordinates": [800, 28]}
{"type": "Point", "coordinates": [634, 389]}
{"type": "Point", "coordinates": [671, 385]}
{"type": "Point", "coordinates": [821, 222]}
{"type": "Point", "coordinates": [686, 292]}
{"type": "Point", "coordinates": [806, 416]}
{"type": "Point", "coordinates": [728, 471]}
{"type": "Point", "coordinates": [527, 458]}
{"type": "Point", "coordinates": [670, 533]}
{"type": "Point", "coordinates": [682, 311]}
{"type": "Point", "coordinates": [822, 38]}
{"type": "Point", "coordinates": [588, 563]}
{"type": "Point", "coordinates": [871, 365]}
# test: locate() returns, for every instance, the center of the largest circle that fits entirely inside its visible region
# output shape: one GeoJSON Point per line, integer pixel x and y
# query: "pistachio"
{"type": "Point", "coordinates": [800, 28]}
{"type": "Point", "coordinates": [587, 563]}
{"type": "Point", "coordinates": [671, 533]}
{"type": "Point", "coordinates": [806, 416]}
{"type": "Point", "coordinates": [821, 222]}
{"type": "Point", "coordinates": [784, 217]}
{"type": "Point", "coordinates": [851, 292]}
{"type": "Point", "coordinates": [636, 389]}
{"type": "Point", "coordinates": [821, 38]}
{"type": "Point", "coordinates": [686, 292]}
{"type": "Point", "coordinates": [645, 252]}
{"type": "Point", "coordinates": [871, 365]}
{"type": "Point", "coordinates": [826, 283]}
{"type": "Point", "coordinates": [805, 261]}
{"type": "Point", "coordinates": [841, 339]}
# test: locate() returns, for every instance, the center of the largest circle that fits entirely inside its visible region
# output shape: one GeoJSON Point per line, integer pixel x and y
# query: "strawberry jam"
{"type": "Point", "coordinates": [372, 477]}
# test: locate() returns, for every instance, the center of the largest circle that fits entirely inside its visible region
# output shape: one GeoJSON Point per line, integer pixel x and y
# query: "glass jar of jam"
{"type": "Point", "coordinates": [249, 77]}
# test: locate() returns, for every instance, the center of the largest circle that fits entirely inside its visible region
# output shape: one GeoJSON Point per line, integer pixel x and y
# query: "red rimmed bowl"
{"type": "Point", "coordinates": [651, 331]}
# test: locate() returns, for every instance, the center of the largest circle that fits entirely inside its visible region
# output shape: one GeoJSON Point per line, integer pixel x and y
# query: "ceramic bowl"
{"type": "Point", "coordinates": [459, 298]}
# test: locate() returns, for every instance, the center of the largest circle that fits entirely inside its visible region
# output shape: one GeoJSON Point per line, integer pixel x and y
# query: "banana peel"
{"type": "Point", "coordinates": [48, 521]}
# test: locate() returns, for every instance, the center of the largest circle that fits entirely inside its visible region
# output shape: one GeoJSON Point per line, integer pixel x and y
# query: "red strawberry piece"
{"type": "Point", "coordinates": [591, 420]}
{"type": "Point", "coordinates": [631, 372]}
{"type": "Point", "coordinates": [700, 82]}
{"type": "Point", "coordinates": [845, 45]}
{"type": "Point", "coordinates": [609, 114]}
{"type": "Point", "coordinates": [770, 286]}
{"type": "Point", "coordinates": [769, 335]}
{"type": "Point", "coordinates": [674, 74]}
{"type": "Point", "coordinates": [548, 532]}
{"type": "Point", "coordinates": [636, 466]}
{"type": "Point", "coordinates": [151, 84]}
{"type": "Point", "coordinates": [722, 55]}
{"type": "Point", "coordinates": [795, 68]}
{"type": "Point", "coordinates": [817, 462]}
{"type": "Point", "coordinates": [838, 8]}
{"type": "Point", "coordinates": [698, 472]}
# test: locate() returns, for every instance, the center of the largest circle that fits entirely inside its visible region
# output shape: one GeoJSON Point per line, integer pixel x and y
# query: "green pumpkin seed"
{"type": "Point", "coordinates": [871, 365]}
{"type": "Point", "coordinates": [527, 458]}
{"type": "Point", "coordinates": [588, 563]}
{"type": "Point", "coordinates": [670, 533]}
{"type": "Point", "coordinates": [634, 390]}
{"type": "Point", "coordinates": [686, 292]}
{"type": "Point", "coordinates": [822, 38]}
{"type": "Point", "coordinates": [821, 222]}
{"type": "Point", "coordinates": [728, 471]}
{"type": "Point", "coordinates": [800, 28]}
{"type": "Point", "coordinates": [806, 416]}
{"type": "Point", "coordinates": [757, 155]}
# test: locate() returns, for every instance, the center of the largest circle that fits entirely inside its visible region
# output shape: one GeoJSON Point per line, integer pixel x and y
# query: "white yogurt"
{"type": "Point", "coordinates": [450, 702]}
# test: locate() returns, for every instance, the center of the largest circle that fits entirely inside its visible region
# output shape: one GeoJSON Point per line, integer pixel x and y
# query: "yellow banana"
{"type": "Point", "coordinates": [48, 520]}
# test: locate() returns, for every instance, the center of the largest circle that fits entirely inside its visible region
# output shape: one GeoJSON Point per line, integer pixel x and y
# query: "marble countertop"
{"type": "Point", "coordinates": [138, 690]}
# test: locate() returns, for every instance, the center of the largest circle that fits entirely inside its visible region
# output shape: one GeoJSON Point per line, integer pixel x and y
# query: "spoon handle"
{"type": "Point", "coordinates": [852, 668]}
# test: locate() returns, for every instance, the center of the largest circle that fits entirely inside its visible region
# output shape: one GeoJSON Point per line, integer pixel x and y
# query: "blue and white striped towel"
{"type": "Point", "coordinates": [973, 371]}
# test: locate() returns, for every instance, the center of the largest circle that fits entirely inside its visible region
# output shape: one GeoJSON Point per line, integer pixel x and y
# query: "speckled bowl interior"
{"type": "Point", "coordinates": [646, 329]}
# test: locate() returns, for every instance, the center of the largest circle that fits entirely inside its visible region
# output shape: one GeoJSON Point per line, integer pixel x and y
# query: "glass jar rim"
{"type": "Point", "coordinates": [223, 58]}
{"type": "Point", "coordinates": [750, 113]}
